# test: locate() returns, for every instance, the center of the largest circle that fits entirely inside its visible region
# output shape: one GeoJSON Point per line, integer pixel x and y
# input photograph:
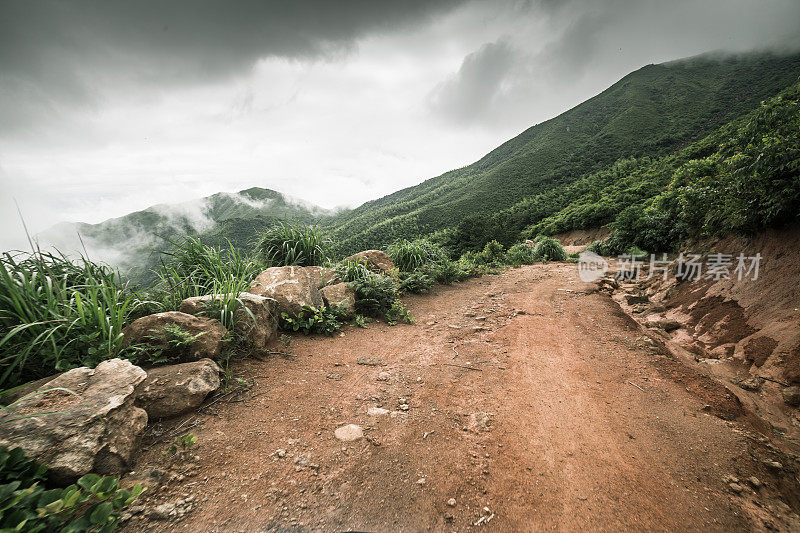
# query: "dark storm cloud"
{"type": "Point", "coordinates": [52, 53]}
{"type": "Point", "coordinates": [469, 93]}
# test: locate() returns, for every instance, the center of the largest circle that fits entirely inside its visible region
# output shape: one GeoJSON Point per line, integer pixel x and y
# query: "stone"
{"type": "Point", "coordinates": [341, 294]}
{"type": "Point", "coordinates": [173, 390]}
{"type": "Point", "coordinates": [755, 482]}
{"type": "Point", "coordinates": [292, 287]}
{"type": "Point", "coordinates": [256, 320]}
{"type": "Point", "coordinates": [375, 260]}
{"type": "Point", "coordinates": [163, 511]}
{"type": "Point", "coordinates": [451, 502]}
{"type": "Point", "coordinates": [149, 330]}
{"type": "Point", "coordinates": [348, 433]}
{"type": "Point", "coordinates": [751, 384]}
{"type": "Point", "coordinates": [668, 324]}
{"type": "Point", "coordinates": [791, 395]}
{"type": "Point", "coordinates": [377, 411]}
{"type": "Point", "coordinates": [369, 361]}
{"type": "Point", "coordinates": [735, 487]}
{"type": "Point", "coordinates": [95, 431]}
{"type": "Point", "coordinates": [383, 376]}
{"type": "Point", "coordinates": [636, 299]}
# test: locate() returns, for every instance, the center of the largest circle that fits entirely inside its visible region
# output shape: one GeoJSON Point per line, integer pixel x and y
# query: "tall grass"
{"type": "Point", "coordinates": [411, 255]}
{"type": "Point", "coordinates": [192, 268]}
{"type": "Point", "coordinates": [293, 244]}
{"type": "Point", "coordinates": [56, 314]}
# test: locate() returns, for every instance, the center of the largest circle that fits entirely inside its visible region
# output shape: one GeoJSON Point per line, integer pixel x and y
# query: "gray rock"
{"type": "Point", "coordinates": [375, 260]}
{"type": "Point", "coordinates": [97, 431]}
{"type": "Point", "coordinates": [751, 384]}
{"type": "Point", "coordinates": [256, 321]}
{"type": "Point", "coordinates": [341, 294]}
{"type": "Point", "coordinates": [377, 411]}
{"type": "Point", "coordinates": [369, 361]}
{"type": "Point", "coordinates": [172, 390]}
{"type": "Point", "coordinates": [791, 395]}
{"type": "Point", "coordinates": [350, 432]}
{"type": "Point", "coordinates": [637, 299]}
{"type": "Point", "coordinates": [668, 324]}
{"type": "Point", "coordinates": [149, 331]}
{"type": "Point", "coordinates": [292, 287]}
{"type": "Point", "coordinates": [163, 511]}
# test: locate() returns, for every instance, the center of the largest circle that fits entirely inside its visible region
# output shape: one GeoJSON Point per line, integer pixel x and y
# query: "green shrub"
{"type": "Point", "coordinates": [325, 320]}
{"type": "Point", "coordinates": [398, 313]}
{"type": "Point", "coordinates": [415, 282]}
{"type": "Point", "coordinates": [446, 272]}
{"type": "Point", "coordinates": [293, 244]}
{"type": "Point", "coordinates": [375, 294]}
{"type": "Point", "coordinates": [411, 255]}
{"type": "Point", "coordinates": [599, 248]}
{"type": "Point", "coordinates": [26, 504]}
{"type": "Point", "coordinates": [549, 249]}
{"type": "Point", "coordinates": [520, 254]}
{"type": "Point", "coordinates": [492, 252]}
{"type": "Point", "coordinates": [56, 314]}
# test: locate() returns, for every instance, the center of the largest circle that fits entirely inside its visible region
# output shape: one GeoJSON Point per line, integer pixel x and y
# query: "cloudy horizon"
{"type": "Point", "coordinates": [111, 107]}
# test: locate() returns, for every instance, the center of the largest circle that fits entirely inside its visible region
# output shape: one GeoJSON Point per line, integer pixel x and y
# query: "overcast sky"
{"type": "Point", "coordinates": [108, 107]}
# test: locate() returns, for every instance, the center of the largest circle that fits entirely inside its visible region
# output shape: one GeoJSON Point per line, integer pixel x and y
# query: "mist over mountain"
{"type": "Point", "coordinates": [131, 242]}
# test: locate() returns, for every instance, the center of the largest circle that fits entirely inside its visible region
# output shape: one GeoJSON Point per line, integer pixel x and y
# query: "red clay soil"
{"type": "Point", "coordinates": [533, 404]}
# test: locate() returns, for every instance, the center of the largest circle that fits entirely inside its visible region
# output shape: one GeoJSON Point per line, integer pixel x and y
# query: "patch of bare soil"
{"type": "Point", "coordinates": [521, 402]}
{"type": "Point", "coordinates": [745, 332]}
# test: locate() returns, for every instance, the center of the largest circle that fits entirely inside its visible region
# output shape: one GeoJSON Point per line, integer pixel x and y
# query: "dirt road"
{"type": "Point", "coordinates": [533, 404]}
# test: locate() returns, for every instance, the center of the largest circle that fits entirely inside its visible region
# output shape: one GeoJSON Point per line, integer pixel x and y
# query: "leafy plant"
{"type": "Point", "coordinates": [293, 244]}
{"type": "Point", "coordinates": [362, 321]}
{"type": "Point", "coordinates": [93, 504]}
{"type": "Point", "coordinates": [398, 313]}
{"type": "Point", "coordinates": [375, 294]}
{"type": "Point", "coordinates": [415, 282]}
{"type": "Point", "coordinates": [492, 252]}
{"type": "Point", "coordinates": [181, 444]}
{"type": "Point", "coordinates": [549, 249]}
{"type": "Point", "coordinates": [520, 254]}
{"type": "Point", "coordinates": [325, 320]}
{"type": "Point", "coordinates": [166, 345]}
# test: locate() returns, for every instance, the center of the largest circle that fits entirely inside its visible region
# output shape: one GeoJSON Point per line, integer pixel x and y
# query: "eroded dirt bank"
{"type": "Point", "coordinates": [533, 403]}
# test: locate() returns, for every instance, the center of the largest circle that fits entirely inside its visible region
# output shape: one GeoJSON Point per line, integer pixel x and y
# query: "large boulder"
{"type": "Point", "coordinates": [94, 430]}
{"type": "Point", "coordinates": [375, 260]}
{"type": "Point", "coordinates": [293, 287]}
{"type": "Point", "coordinates": [256, 322]}
{"type": "Point", "coordinates": [341, 294]}
{"type": "Point", "coordinates": [159, 332]}
{"type": "Point", "coordinates": [173, 390]}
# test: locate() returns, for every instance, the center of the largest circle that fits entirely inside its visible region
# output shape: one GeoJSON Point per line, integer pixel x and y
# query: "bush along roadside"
{"type": "Point", "coordinates": [27, 503]}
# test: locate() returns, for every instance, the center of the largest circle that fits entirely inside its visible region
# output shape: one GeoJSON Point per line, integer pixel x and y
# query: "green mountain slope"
{"type": "Point", "coordinates": [742, 178]}
{"type": "Point", "coordinates": [653, 111]}
{"type": "Point", "coordinates": [129, 242]}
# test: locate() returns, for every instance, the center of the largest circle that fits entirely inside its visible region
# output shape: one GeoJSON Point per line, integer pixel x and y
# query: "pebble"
{"type": "Point", "coordinates": [451, 502]}
{"type": "Point", "coordinates": [281, 453]}
{"type": "Point", "coordinates": [377, 411]}
{"type": "Point", "coordinates": [350, 432]}
{"type": "Point", "coordinates": [755, 482]}
{"type": "Point", "coordinates": [735, 487]}
{"type": "Point", "coordinates": [383, 376]}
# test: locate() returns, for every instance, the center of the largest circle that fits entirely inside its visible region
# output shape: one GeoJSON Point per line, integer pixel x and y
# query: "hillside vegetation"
{"type": "Point", "coordinates": [652, 112]}
{"type": "Point", "coordinates": [744, 178]}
